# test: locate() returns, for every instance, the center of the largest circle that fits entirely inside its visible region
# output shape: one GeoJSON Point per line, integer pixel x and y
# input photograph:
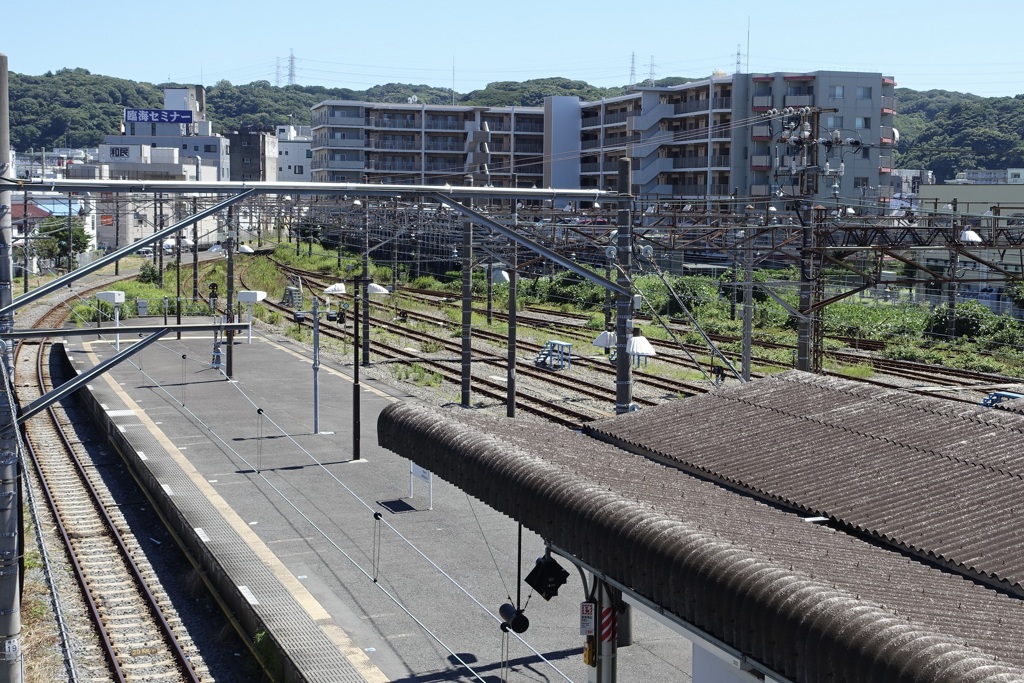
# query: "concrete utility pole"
{"type": "Point", "coordinates": [11, 665]}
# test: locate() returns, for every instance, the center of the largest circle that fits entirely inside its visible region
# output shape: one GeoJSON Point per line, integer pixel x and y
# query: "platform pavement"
{"type": "Point", "coordinates": [290, 516]}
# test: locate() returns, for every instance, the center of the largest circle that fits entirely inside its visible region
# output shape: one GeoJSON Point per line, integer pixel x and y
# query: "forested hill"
{"type": "Point", "coordinates": [942, 131]}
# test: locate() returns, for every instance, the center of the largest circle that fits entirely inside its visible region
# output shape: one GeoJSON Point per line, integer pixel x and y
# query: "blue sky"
{"type": "Point", "coordinates": [924, 45]}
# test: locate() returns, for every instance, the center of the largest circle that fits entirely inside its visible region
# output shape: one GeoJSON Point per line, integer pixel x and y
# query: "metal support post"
{"type": "Point", "coordinates": [355, 369]}
{"type": "Point", "coordinates": [117, 231]}
{"type": "Point", "coordinates": [467, 310]}
{"type": "Point", "coordinates": [158, 249]}
{"type": "Point", "coordinates": [805, 331]}
{"type": "Point", "coordinates": [510, 399]}
{"type": "Point", "coordinates": [316, 364]}
{"type": "Point", "coordinates": [748, 301]}
{"type": "Point", "coordinates": [624, 301]}
{"type": "Point", "coordinates": [366, 284]}
{"type": "Point", "coordinates": [608, 600]}
{"type": "Point", "coordinates": [230, 303]}
{"type": "Point", "coordinates": [490, 290]}
{"type": "Point", "coordinates": [195, 256]}
{"type": "Point", "coordinates": [24, 244]}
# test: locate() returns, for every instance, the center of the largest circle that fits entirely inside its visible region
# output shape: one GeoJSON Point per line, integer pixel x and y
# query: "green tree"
{"type": "Point", "coordinates": [54, 242]}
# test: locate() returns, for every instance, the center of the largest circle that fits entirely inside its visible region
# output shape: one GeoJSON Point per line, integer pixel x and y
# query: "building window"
{"type": "Point", "coordinates": [862, 122]}
{"type": "Point", "coordinates": [286, 152]}
{"type": "Point", "coordinates": [289, 167]}
{"type": "Point", "coordinates": [196, 148]}
{"type": "Point", "coordinates": [280, 152]}
{"type": "Point", "coordinates": [279, 169]}
{"type": "Point", "coordinates": [209, 148]}
{"type": "Point", "coordinates": [309, 154]}
{"type": "Point", "coordinates": [185, 147]}
{"type": "Point", "coordinates": [865, 153]}
{"type": "Point", "coordinates": [861, 183]}
{"type": "Point", "coordinates": [152, 129]}
{"type": "Point", "coordinates": [835, 92]}
{"type": "Point", "coordinates": [833, 121]}
{"type": "Point", "coordinates": [246, 160]}
{"type": "Point", "coordinates": [298, 170]}
{"type": "Point", "coordinates": [863, 92]}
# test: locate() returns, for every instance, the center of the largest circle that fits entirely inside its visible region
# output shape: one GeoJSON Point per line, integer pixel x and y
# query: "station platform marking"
{"type": "Point", "coordinates": [305, 600]}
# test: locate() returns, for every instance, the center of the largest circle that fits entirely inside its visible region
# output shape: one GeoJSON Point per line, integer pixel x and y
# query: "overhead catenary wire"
{"type": "Point", "coordinates": [159, 386]}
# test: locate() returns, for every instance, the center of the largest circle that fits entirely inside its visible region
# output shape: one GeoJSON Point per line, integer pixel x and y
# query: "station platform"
{"type": "Point", "coordinates": [352, 574]}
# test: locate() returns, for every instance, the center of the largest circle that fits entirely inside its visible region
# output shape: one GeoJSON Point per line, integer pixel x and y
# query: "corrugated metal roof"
{"type": "Point", "coordinates": [937, 478]}
{"type": "Point", "coordinates": [808, 601]}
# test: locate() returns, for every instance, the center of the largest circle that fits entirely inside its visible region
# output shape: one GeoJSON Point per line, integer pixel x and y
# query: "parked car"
{"type": "Point", "coordinates": [145, 252]}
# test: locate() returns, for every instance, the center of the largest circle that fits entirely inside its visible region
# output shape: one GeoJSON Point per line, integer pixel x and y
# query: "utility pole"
{"type": "Point", "coordinates": [11, 566]}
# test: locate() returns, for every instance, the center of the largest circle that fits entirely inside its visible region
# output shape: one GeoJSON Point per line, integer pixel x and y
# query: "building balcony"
{"type": "Point", "coordinates": [591, 167]}
{"type": "Point", "coordinates": [688, 107]}
{"type": "Point", "coordinates": [721, 132]}
{"type": "Point", "coordinates": [389, 123]}
{"type": "Point", "coordinates": [798, 100]}
{"type": "Point", "coordinates": [528, 149]}
{"type": "Point", "coordinates": [401, 145]}
{"type": "Point", "coordinates": [886, 135]}
{"type": "Point", "coordinates": [442, 147]}
{"type": "Point", "coordinates": [690, 162]}
{"type": "Point", "coordinates": [590, 121]}
{"type": "Point", "coordinates": [761, 131]}
{"type": "Point", "coordinates": [529, 127]}
{"type": "Point", "coordinates": [391, 165]}
{"type": "Point", "coordinates": [760, 190]}
{"type": "Point", "coordinates": [590, 144]}
{"type": "Point", "coordinates": [618, 117]}
{"type": "Point", "coordinates": [338, 164]}
{"type": "Point", "coordinates": [888, 104]}
{"type": "Point", "coordinates": [762, 102]}
{"type": "Point", "coordinates": [721, 103]}
{"type": "Point", "coordinates": [885, 164]}
{"type": "Point", "coordinates": [761, 162]}
{"type": "Point", "coordinates": [342, 143]}
{"type": "Point", "coordinates": [443, 124]}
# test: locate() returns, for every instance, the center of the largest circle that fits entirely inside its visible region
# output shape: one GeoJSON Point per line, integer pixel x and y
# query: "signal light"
{"type": "Point", "coordinates": [547, 577]}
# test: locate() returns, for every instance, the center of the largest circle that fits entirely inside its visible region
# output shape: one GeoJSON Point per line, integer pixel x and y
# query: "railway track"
{"type": "Point", "coordinates": [141, 637]}
{"type": "Point", "coordinates": [573, 327]}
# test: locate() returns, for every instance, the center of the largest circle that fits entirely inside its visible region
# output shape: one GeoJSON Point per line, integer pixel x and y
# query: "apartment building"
{"type": "Point", "coordinates": [728, 138]}
{"type": "Point", "coordinates": [426, 144]}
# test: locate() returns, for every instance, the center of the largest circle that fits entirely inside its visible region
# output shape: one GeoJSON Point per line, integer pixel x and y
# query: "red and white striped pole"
{"type": "Point", "coordinates": [607, 635]}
